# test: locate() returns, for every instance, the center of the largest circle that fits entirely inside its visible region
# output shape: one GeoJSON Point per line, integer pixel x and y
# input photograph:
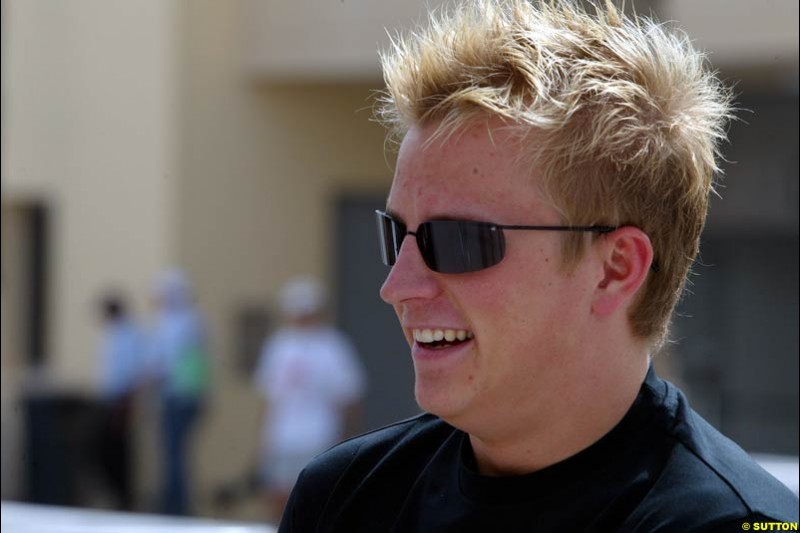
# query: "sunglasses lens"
{"type": "Point", "coordinates": [456, 247]}
{"type": "Point", "coordinates": [390, 235]}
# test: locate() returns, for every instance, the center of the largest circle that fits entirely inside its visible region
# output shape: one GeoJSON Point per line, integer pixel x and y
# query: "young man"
{"type": "Point", "coordinates": [548, 199]}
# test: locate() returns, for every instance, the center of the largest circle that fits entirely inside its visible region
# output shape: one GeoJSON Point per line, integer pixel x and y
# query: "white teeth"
{"type": "Point", "coordinates": [426, 335]}
{"type": "Point", "coordinates": [435, 335]}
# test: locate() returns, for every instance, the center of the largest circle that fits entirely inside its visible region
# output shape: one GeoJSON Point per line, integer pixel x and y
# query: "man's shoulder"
{"type": "Point", "coordinates": [692, 489]}
{"type": "Point", "coordinates": [709, 479]}
{"type": "Point", "coordinates": [385, 461]}
{"type": "Point", "coordinates": [405, 438]}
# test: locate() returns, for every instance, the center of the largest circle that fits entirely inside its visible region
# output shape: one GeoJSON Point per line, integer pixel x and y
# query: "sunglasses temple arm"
{"type": "Point", "coordinates": [596, 229]}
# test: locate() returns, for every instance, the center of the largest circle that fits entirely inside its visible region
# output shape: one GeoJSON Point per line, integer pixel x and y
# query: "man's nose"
{"type": "Point", "coordinates": [410, 277]}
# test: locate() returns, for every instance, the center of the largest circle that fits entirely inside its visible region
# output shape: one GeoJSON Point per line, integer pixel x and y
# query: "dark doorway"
{"type": "Point", "coordinates": [370, 322]}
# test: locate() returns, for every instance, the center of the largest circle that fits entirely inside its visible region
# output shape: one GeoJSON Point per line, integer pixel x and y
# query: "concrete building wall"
{"type": "Point", "coordinates": [89, 132]}
{"type": "Point", "coordinates": [319, 41]}
{"type": "Point", "coordinates": [261, 165]}
{"type": "Point", "coordinates": [740, 34]}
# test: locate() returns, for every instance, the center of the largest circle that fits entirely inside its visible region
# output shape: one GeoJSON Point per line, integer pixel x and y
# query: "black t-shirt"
{"type": "Point", "coordinates": [662, 468]}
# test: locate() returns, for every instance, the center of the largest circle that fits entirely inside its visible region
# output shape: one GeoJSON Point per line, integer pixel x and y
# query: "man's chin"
{"type": "Point", "coordinates": [440, 401]}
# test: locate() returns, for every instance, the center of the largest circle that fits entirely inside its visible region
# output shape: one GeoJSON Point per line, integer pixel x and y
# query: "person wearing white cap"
{"type": "Point", "coordinates": [311, 380]}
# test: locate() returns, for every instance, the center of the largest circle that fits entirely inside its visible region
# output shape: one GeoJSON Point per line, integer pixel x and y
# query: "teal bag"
{"type": "Point", "coordinates": [192, 372]}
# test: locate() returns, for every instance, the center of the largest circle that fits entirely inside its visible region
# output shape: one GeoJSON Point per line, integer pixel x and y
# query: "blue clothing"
{"type": "Point", "coordinates": [178, 418]}
{"type": "Point", "coordinates": [121, 354]}
{"type": "Point", "coordinates": [180, 353]}
{"type": "Point", "coordinates": [181, 363]}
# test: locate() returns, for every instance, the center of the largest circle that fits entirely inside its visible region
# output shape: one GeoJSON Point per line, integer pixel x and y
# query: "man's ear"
{"type": "Point", "coordinates": [626, 258]}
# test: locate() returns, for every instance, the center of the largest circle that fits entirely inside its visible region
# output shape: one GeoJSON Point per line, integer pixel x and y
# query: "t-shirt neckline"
{"type": "Point", "coordinates": [623, 438]}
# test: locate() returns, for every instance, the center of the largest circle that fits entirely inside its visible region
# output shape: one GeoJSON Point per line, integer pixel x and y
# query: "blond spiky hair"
{"type": "Point", "coordinates": [622, 116]}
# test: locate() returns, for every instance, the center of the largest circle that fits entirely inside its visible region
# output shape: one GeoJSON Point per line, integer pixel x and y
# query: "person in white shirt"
{"type": "Point", "coordinates": [312, 382]}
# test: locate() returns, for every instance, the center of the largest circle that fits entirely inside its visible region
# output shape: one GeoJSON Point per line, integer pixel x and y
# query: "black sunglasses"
{"type": "Point", "coordinates": [456, 246]}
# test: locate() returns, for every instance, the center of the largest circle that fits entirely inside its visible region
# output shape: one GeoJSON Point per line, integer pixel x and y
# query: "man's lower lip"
{"type": "Point", "coordinates": [421, 352]}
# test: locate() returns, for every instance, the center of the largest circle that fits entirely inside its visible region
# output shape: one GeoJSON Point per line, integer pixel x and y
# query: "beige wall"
{"type": "Point", "coordinates": [90, 131]}
{"type": "Point", "coordinates": [740, 34]}
{"type": "Point", "coordinates": [322, 40]}
{"type": "Point", "coordinates": [260, 168]}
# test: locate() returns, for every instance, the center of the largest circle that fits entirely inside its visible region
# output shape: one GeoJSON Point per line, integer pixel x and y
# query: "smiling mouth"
{"type": "Point", "coordinates": [441, 338]}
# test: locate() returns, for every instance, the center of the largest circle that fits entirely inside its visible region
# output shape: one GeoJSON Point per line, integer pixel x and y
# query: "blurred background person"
{"type": "Point", "coordinates": [312, 383]}
{"type": "Point", "coordinates": [121, 355]}
{"type": "Point", "coordinates": [182, 372]}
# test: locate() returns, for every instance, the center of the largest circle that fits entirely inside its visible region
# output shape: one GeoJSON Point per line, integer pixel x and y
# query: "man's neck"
{"type": "Point", "coordinates": [527, 445]}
